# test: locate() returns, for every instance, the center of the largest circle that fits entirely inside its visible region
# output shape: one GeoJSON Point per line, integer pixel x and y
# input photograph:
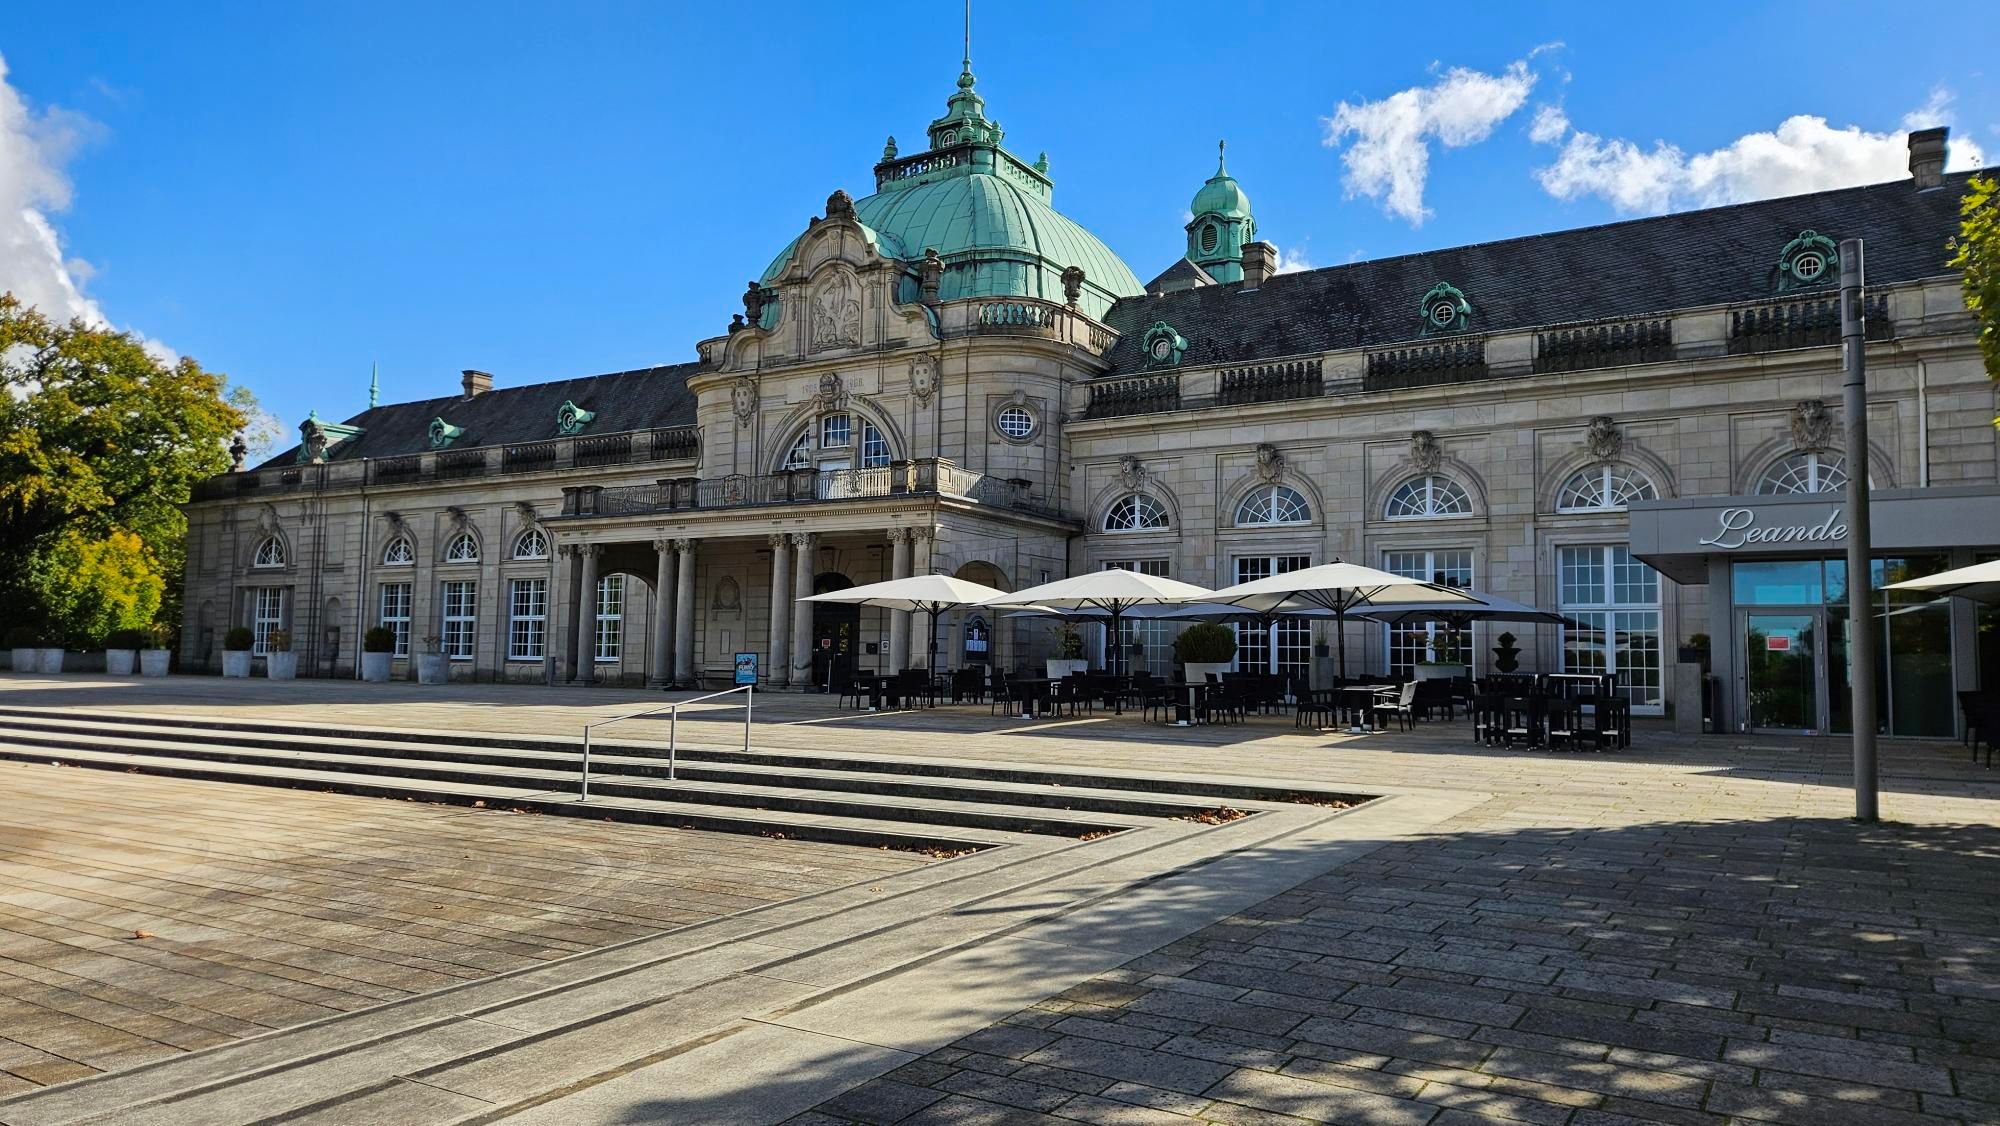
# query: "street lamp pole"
{"type": "Point", "coordinates": [1862, 637]}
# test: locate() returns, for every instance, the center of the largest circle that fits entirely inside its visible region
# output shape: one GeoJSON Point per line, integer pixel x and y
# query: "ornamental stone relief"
{"type": "Point", "coordinates": [743, 399]}
{"type": "Point", "coordinates": [1270, 462]}
{"type": "Point", "coordinates": [1604, 440]}
{"type": "Point", "coordinates": [1425, 453]}
{"type": "Point", "coordinates": [923, 379]}
{"type": "Point", "coordinates": [1131, 473]}
{"type": "Point", "coordinates": [1812, 425]}
{"type": "Point", "coordinates": [836, 314]}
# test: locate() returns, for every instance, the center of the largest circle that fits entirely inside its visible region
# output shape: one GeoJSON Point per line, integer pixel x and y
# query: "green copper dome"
{"type": "Point", "coordinates": [1221, 195]}
{"type": "Point", "coordinates": [986, 213]}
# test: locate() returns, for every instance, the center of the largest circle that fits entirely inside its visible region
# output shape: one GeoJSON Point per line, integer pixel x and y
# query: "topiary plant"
{"type": "Point", "coordinates": [1506, 656]}
{"type": "Point", "coordinates": [1205, 643]}
{"type": "Point", "coordinates": [239, 640]}
{"type": "Point", "coordinates": [380, 639]}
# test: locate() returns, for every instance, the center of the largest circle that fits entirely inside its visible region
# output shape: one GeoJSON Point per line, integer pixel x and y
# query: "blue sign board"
{"type": "Point", "coordinates": [746, 668]}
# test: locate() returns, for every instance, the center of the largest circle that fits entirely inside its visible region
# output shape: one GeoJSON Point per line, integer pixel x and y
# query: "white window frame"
{"type": "Point", "coordinates": [1259, 508]}
{"type": "Point", "coordinates": [395, 597]}
{"type": "Point", "coordinates": [1823, 473]}
{"type": "Point", "coordinates": [531, 543]}
{"type": "Point", "coordinates": [1133, 507]}
{"type": "Point", "coordinates": [1619, 616]}
{"type": "Point", "coordinates": [1156, 634]}
{"type": "Point", "coordinates": [608, 646]}
{"type": "Point", "coordinates": [801, 454]}
{"type": "Point", "coordinates": [1268, 647]}
{"type": "Point", "coordinates": [1428, 564]}
{"type": "Point", "coordinates": [874, 448]}
{"type": "Point", "coordinates": [459, 616]}
{"type": "Point", "coordinates": [827, 425]}
{"type": "Point", "coordinates": [270, 553]}
{"type": "Point", "coordinates": [463, 548]}
{"type": "Point", "coordinates": [1430, 497]}
{"type": "Point", "coordinates": [1616, 485]}
{"type": "Point", "coordinates": [527, 619]}
{"type": "Point", "coordinates": [1021, 432]}
{"type": "Point", "coordinates": [267, 613]}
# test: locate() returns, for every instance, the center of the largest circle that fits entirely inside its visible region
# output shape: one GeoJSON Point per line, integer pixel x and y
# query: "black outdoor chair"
{"type": "Point", "coordinates": [1003, 692]}
{"type": "Point", "coordinates": [853, 688]}
{"type": "Point", "coordinates": [1434, 696]}
{"type": "Point", "coordinates": [1525, 717]}
{"type": "Point", "coordinates": [1315, 709]}
{"type": "Point", "coordinates": [1156, 696]}
{"type": "Point", "coordinates": [1489, 717]}
{"type": "Point", "coordinates": [1563, 722]}
{"type": "Point", "coordinates": [1402, 704]}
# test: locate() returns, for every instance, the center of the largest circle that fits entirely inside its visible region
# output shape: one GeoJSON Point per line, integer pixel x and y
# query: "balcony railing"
{"type": "Point", "coordinates": [1801, 324]}
{"type": "Point", "coordinates": [1044, 319]}
{"type": "Point", "coordinates": [1606, 345]}
{"type": "Point", "coordinates": [1426, 364]}
{"type": "Point", "coordinates": [1148, 394]}
{"type": "Point", "coordinates": [920, 478]}
{"type": "Point", "coordinates": [1270, 383]}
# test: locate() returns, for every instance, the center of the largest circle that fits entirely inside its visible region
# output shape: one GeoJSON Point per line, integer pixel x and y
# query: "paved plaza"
{"type": "Point", "coordinates": [1690, 931]}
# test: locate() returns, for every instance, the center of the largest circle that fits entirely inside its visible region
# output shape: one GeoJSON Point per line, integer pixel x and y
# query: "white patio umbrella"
{"type": "Point", "coordinates": [926, 594]}
{"type": "Point", "coordinates": [1457, 615]}
{"type": "Point", "coordinates": [1114, 592]}
{"type": "Point", "coordinates": [1979, 582]}
{"type": "Point", "coordinates": [1339, 587]}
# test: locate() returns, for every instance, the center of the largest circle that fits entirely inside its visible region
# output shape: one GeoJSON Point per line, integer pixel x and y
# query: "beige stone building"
{"type": "Point", "coordinates": [948, 376]}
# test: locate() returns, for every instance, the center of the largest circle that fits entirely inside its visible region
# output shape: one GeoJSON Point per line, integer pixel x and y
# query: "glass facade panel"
{"type": "Point", "coordinates": [528, 612]}
{"type": "Point", "coordinates": [1285, 646]}
{"type": "Point", "coordinates": [610, 618]}
{"type": "Point", "coordinates": [1778, 582]}
{"type": "Point", "coordinates": [1154, 637]}
{"type": "Point", "coordinates": [1411, 643]}
{"type": "Point", "coordinates": [461, 620]}
{"type": "Point", "coordinates": [267, 614]}
{"type": "Point", "coordinates": [395, 615]}
{"type": "Point", "coordinates": [1614, 601]}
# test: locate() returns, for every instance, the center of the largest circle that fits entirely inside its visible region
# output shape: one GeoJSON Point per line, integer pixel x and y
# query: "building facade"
{"type": "Point", "coordinates": [949, 376]}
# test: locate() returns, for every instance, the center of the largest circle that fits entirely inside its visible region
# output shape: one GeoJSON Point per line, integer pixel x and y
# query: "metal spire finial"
{"type": "Point", "coordinates": [965, 78]}
{"type": "Point", "coordinates": [1221, 151]}
{"type": "Point", "coordinates": [374, 385]}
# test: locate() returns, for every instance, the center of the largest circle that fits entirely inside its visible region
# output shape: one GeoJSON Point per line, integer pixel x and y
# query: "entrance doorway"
{"type": "Point", "coordinates": [1784, 670]}
{"type": "Point", "coordinates": [835, 627]}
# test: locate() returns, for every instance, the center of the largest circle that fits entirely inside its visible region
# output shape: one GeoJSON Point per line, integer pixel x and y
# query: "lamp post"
{"type": "Point", "coordinates": [1861, 624]}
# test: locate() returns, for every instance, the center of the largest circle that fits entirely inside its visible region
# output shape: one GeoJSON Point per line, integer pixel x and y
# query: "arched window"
{"type": "Point", "coordinates": [801, 454]}
{"type": "Point", "coordinates": [1804, 472]}
{"type": "Point", "coordinates": [1135, 512]}
{"type": "Point", "coordinates": [874, 447]}
{"type": "Point", "coordinates": [532, 543]}
{"type": "Point", "coordinates": [399, 553]}
{"type": "Point", "coordinates": [270, 553]}
{"type": "Point", "coordinates": [1273, 504]}
{"type": "Point", "coordinates": [462, 549]}
{"type": "Point", "coordinates": [1604, 488]}
{"type": "Point", "coordinates": [1428, 497]}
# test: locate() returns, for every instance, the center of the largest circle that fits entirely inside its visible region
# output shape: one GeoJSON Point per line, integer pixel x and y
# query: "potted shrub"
{"type": "Point", "coordinates": [1204, 648]}
{"type": "Point", "coordinates": [378, 654]}
{"type": "Point", "coordinates": [1506, 655]}
{"type": "Point", "coordinates": [236, 655]}
{"type": "Point", "coordinates": [156, 658]}
{"type": "Point", "coordinates": [1069, 649]}
{"type": "Point", "coordinates": [121, 651]}
{"type": "Point", "coordinates": [25, 645]}
{"type": "Point", "coordinates": [431, 666]}
{"type": "Point", "coordinates": [280, 663]}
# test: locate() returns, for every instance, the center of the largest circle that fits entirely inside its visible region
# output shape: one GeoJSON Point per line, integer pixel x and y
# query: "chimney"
{"type": "Point", "coordinates": [476, 383]}
{"type": "Point", "coordinates": [1260, 261]}
{"type": "Point", "coordinates": [1927, 157]}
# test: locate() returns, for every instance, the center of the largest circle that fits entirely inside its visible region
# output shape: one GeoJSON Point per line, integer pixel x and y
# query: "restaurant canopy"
{"type": "Point", "coordinates": [1339, 587]}
{"type": "Point", "coordinates": [926, 594]}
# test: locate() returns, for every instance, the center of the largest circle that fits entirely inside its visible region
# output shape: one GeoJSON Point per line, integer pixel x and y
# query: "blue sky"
{"type": "Point", "coordinates": [545, 192]}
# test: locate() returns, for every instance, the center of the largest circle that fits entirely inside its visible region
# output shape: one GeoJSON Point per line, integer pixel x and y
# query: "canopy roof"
{"type": "Point", "coordinates": [1491, 608]}
{"type": "Point", "coordinates": [1979, 582]}
{"type": "Point", "coordinates": [920, 593]}
{"type": "Point", "coordinates": [1339, 587]}
{"type": "Point", "coordinates": [1113, 591]}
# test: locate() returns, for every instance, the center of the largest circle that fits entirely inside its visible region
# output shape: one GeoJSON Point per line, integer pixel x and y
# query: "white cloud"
{"type": "Point", "coordinates": [1389, 159]}
{"type": "Point", "coordinates": [1803, 154]}
{"type": "Point", "coordinates": [34, 147]}
{"type": "Point", "coordinates": [1292, 259]}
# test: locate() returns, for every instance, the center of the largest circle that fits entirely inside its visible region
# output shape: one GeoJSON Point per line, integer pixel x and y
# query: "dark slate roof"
{"type": "Point", "coordinates": [627, 400]}
{"type": "Point", "coordinates": [1694, 258]}
{"type": "Point", "coordinates": [1182, 274]}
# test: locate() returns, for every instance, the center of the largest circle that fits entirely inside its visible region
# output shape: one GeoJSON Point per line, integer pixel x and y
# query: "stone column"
{"type": "Point", "coordinates": [921, 540]}
{"type": "Point", "coordinates": [778, 656]}
{"type": "Point", "coordinates": [899, 620]}
{"type": "Point", "coordinates": [586, 615]}
{"type": "Point", "coordinates": [659, 665]}
{"type": "Point", "coordinates": [684, 613]}
{"type": "Point", "coordinates": [560, 640]}
{"type": "Point", "coordinates": [803, 568]}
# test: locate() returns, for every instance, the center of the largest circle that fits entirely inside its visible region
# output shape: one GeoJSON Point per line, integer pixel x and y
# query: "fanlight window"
{"type": "Point", "coordinates": [1604, 488]}
{"type": "Point", "coordinates": [801, 455]}
{"type": "Point", "coordinates": [874, 447]}
{"type": "Point", "coordinates": [1806, 472]}
{"type": "Point", "coordinates": [1428, 497]}
{"type": "Point", "coordinates": [399, 553]}
{"type": "Point", "coordinates": [1135, 512]}
{"type": "Point", "coordinates": [1273, 504]}
{"type": "Point", "coordinates": [531, 544]}
{"type": "Point", "coordinates": [270, 553]}
{"type": "Point", "coordinates": [463, 549]}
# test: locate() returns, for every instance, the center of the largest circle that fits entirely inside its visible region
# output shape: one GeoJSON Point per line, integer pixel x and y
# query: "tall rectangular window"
{"type": "Point", "coordinates": [461, 619]}
{"type": "Point", "coordinates": [395, 614]}
{"type": "Point", "coordinates": [1285, 646]}
{"type": "Point", "coordinates": [1154, 638]}
{"type": "Point", "coordinates": [1614, 602]}
{"type": "Point", "coordinates": [1411, 643]}
{"type": "Point", "coordinates": [527, 619]}
{"type": "Point", "coordinates": [610, 617]}
{"type": "Point", "coordinates": [267, 613]}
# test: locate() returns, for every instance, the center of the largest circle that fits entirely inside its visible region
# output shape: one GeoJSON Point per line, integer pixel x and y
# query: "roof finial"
{"type": "Point", "coordinates": [374, 385]}
{"type": "Point", "coordinates": [1221, 149]}
{"type": "Point", "coordinates": [965, 71]}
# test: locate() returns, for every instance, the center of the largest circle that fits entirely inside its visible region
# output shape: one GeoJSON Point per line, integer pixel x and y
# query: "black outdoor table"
{"type": "Point", "coordinates": [1186, 700]}
{"type": "Point", "coordinates": [1033, 692]}
{"type": "Point", "coordinates": [1369, 691]}
{"type": "Point", "coordinates": [874, 683]}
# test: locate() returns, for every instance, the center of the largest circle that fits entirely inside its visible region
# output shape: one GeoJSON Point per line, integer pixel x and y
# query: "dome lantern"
{"type": "Point", "coordinates": [1222, 223]}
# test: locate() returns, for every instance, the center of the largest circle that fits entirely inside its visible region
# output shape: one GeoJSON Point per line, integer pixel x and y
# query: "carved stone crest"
{"type": "Point", "coordinates": [832, 393]}
{"type": "Point", "coordinates": [1270, 462]}
{"type": "Point", "coordinates": [923, 379]}
{"type": "Point", "coordinates": [1812, 425]}
{"type": "Point", "coordinates": [1131, 473]}
{"type": "Point", "coordinates": [1425, 453]}
{"type": "Point", "coordinates": [836, 314]}
{"type": "Point", "coordinates": [743, 399]}
{"type": "Point", "coordinates": [1604, 440]}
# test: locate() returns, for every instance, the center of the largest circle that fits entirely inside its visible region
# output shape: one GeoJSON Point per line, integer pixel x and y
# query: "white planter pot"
{"type": "Point", "coordinates": [281, 666]}
{"type": "Point", "coordinates": [1431, 670]}
{"type": "Point", "coordinates": [431, 668]}
{"type": "Point", "coordinates": [50, 660]}
{"type": "Point", "coordinates": [1059, 667]}
{"type": "Point", "coordinates": [376, 667]}
{"type": "Point", "coordinates": [236, 662]}
{"type": "Point", "coordinates": [1197, 671]}
{"type": "Point", "coordinates": [25, 660]}
{"type": "Point", "coordinates": [119, 662]}
{"type": "Point", "coordinates": [155, 662]}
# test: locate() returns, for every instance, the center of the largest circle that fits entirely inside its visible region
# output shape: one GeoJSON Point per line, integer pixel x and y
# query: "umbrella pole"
{"type": "Point", "coordinates": [1118, 698]}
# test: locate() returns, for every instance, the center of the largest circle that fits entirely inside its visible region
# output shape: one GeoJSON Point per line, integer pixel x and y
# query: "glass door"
{"type": "Point", "coordinates": [1783, 674]}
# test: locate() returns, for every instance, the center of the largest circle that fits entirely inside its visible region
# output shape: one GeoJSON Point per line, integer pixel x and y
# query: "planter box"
{"type": "Point", "coordinates": [119, 662]}
{"type": "Point", "coordinates": [281, 666]}
{"type": "Point", "coordinates": [1197, 671]}
{"type": "Point", "coordinates": [49, 660]}
{"type": "Point", "coordinates": [1059, 667]}
{"type": "Point", "coordinates": [236, 663]}
{"type": "Point", "coordinates": [432, 668]}
{"type": "Point", "coordinates": [1434, 670]}
{"type": "Point", "coordinates": [155, 662]}
{"type": "Point", "coordinates": [376, 667]}
{"type": "Point", "coordinates": [25, 660]}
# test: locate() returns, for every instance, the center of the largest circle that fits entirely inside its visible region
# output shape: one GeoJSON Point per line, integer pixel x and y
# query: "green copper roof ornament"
{"type": "Point", "coordinates": [1807, 261]}
{"type": "Point", "coordinates": [1042, 163]}
{"type": "Point", "coordinates": [889, 148]}
{"type": "Point", "coordinates": [571, 419]}
{"type": "Point", "coordinates": [1221, 223]}
{"type": "Point", "coordinates": [374, 386]}
{"type": "Point", "coordinates": [1445, 310]}
{"type": "Point", "coordinates": [1164, 346]}
{"type": "Point", "coordinates": [318, 437]}
{"type": "Point", "coordinates": [443, 433]}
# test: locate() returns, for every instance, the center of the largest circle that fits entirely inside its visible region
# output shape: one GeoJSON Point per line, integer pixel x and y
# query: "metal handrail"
{"type": "Point", "coordinates": [673, 711]}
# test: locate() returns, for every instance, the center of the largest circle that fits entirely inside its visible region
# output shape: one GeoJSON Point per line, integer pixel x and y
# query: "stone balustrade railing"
{"type": "Point", "coordinates": [921, 477]}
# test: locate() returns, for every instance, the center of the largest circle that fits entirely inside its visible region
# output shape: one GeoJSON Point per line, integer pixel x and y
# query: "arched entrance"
{"type": "Point", "coordinates": [835, 629]}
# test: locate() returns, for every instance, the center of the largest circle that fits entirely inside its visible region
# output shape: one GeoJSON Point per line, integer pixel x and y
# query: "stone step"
{"type": "Point", "coordinates": [616, 760]}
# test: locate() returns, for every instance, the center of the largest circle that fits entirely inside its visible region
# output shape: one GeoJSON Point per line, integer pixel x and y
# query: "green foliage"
{"type": "Point", "coordinates": [126, 639]}
{"type": "Point", "coordinates": [1069, 642]}
{"type": "Point", "coordinates": [278, 641]}
{"type": "Point", "coordinates": [87, 588]}
{"type": "Point", "coordinates": [379, 639]}
{"type": "Point", "coordinates": [22, 637]}
{"type": "Point", "coordinates": [238, 639]}
{"type": "Point", "coordinates": [1977, 253]}
{"type": "Point", "coordinates": [100, 443]}
{"type": "Point", "coordinates": [1205, 643]}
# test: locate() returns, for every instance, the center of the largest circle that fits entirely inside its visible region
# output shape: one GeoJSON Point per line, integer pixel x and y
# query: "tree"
{"type": "Point", "coordinates": [1978, 254]}
{"type": "Point", "coordinates": [100, 444]}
